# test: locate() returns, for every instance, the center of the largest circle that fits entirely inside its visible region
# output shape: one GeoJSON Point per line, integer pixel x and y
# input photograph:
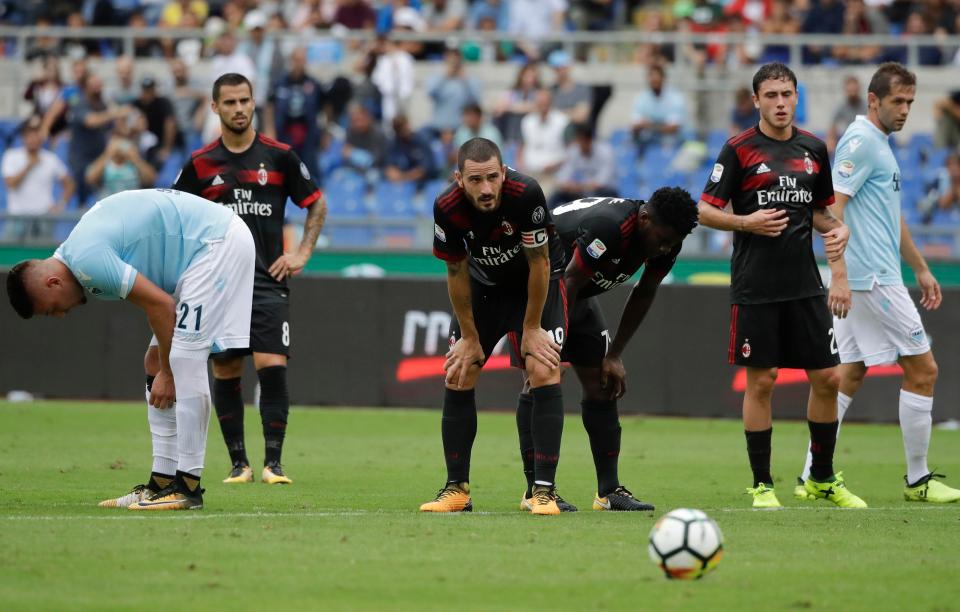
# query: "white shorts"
{"type": "Point", "coordinates": [215, 295]}
{"type": "Point", "coordinates": [883, 325]}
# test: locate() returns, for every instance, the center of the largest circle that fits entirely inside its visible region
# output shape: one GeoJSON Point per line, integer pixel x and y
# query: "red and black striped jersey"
{"type": "Point", "coordinates": [601, 236]}
{"type": "Point", "coordinates": [493, 240]}
{"type": "Point", "coordinates": [754, 171]}
{"type": "Point", "coordinates": [255, 184]}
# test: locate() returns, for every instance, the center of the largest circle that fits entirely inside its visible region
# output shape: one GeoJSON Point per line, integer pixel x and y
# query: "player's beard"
{"type": "Point", "coordinates": [228, 125]}
{"type": "Point", "coordinates": [477, 204]}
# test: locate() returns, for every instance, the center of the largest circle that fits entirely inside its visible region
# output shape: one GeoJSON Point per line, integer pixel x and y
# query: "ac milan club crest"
{"type": "Point", "coordinates": [507, 228]}
{"type": "Point", "coordinates": [745, 350]}
{"type": "Point", "coordinates": [807, 163]}
{"type": "Point", "coordinates": [262, 176]}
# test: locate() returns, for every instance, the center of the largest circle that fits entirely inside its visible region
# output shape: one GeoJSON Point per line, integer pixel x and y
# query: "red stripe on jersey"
{"type": "Point", "coordinates": [448, 256]}
{"type": "Point", "coordinates": [515, 342]}
{"type": "Point", "coordinates": [750, 156]}
{"type": "Point", "coordinates": [563, 296]}
{"type": "Point", "coordinates": [627, 226]}
{"type": "Point", "coordinates": [758, 180]}
{"type": "Point", "coordinates": [747, 133]}
{"type": "Point", "coordinates": [310, 199]}
{"type": "Point", "coordinates": [270, 142]}
{"type": "Point", "coordinates": [800, 165]}
{"type": "Point", "coordinates": [732, 348]}
{"type": "Point", "coordinates": [210, 146]}
{"type": "Point", "coordinates": [515, 184]}
{"type": "Point", "coordinates": [713, 201]}
{"type": "Point", "coordinates": [581, 262]}
{"type": "Point", "coordinates": [206, 167]}
{"type": "Point", "coordinates": [252, 176]}
{"type": "Point", "coordinates": [824, 203]}
{"type": "Point", "coordinates": [451, 199]}
{"type": "Point", "coordinates": [806, 133]}
{"type": "Point", "coordinates": [213, 192]}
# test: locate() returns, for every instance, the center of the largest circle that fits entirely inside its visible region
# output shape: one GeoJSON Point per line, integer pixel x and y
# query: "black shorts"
{"type": "Point", "coordinates": [269, 329]}
{"type": "Point", "coordinates": [497, 313]}
{"type": "Point", "coordinates": [792, 334]}
{"type": "Point", "coordinates": [587, 338]}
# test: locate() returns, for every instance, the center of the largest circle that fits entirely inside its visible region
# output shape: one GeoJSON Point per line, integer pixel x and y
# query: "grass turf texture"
{"type": "Point", "coordinates": [347, 535]}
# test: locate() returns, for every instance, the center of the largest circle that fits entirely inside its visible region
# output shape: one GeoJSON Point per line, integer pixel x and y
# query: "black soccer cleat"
{"type": "Point", "coordinates": [621, 500]}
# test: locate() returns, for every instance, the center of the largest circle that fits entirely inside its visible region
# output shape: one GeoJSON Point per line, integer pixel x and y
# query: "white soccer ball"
{"type": "Point", "coordinates": [686, 544]}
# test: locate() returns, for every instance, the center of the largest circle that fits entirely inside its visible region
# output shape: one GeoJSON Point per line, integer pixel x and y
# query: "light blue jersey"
{"type": "Point", "coordinates": [866, 170]}
{"type": "Point", "coordinates": [154, 232]}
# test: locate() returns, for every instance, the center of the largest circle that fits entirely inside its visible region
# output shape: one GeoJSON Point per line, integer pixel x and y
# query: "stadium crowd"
{"type": "Point", "coordinates": [129, 129]}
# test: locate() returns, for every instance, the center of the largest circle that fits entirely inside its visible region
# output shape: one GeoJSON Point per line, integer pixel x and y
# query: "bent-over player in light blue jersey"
{"type": "Point", "coordinates": [188, 264]}
{"type": "Point", "coordinates": [878, 322]}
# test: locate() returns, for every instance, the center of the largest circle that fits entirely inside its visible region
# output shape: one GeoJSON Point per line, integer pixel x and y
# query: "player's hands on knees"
{"type": "Point", "coordinates": [613, 377]}
{"type": "Point", "coordinates": [839, 297]}
{"type": "Point", "coordinates": [163, 392]}
{"type": "Point", "coordinates": [931, 297]}
{"type": "Point", "coordinates": [538, 343]}
{"type": "Point", "coordinates": [768, 222]}
{"type": "Point", "coordinates": [463, 355]}
{"type": "Point", "coordinates": [835, 242]}
{"type": "Point", "coordinates": [287, 265]}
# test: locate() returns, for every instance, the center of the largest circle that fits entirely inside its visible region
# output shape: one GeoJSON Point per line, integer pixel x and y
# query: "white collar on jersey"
{"type": "Point", "coordinates": [871, 126]}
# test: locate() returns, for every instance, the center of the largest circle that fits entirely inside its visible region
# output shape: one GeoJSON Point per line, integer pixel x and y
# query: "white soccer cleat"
{"type": "Point", "coordinates": [136, 494]}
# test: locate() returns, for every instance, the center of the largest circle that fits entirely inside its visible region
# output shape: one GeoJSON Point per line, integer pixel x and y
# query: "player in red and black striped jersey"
{"type": "Point", "coordinates": [255, 175]}
{"type": "Point", "coordinates": [606, 241]}
{"type": "Point", "coordinates": [778, 178]}
{"type": "Point", "coordinates": [504, 264]}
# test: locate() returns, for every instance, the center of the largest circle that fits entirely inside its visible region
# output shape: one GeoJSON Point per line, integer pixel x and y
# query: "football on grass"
{"type": "Point", "coordinates": [686, 544]}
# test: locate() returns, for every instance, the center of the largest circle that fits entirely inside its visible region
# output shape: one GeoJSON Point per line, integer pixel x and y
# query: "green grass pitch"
{"type": "Point", "coordinates": [347, 534]}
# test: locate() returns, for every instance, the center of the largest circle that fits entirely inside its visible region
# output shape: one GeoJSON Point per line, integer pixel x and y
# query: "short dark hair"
{"type": "Point", "coordinates": [473, 107]}
{"type": "Point", "coordinates": [478, 150]}
{"type": "Point", "coordinates": [675, 208]}
{"type": "Point", "coordinates": [583, 129]}
{"type": "Point", "coordinates": [229, 79]}
{"type": "Point", "coordinates": [881, 84]}
{"type": "Point", "coordinates": [775, 71]}
{"type": "Point", "coordinates": [17, 289]}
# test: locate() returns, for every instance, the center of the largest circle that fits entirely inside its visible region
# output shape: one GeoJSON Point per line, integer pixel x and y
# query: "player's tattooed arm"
{"type": "Point", "coordinates": [466, 353]}
{"type": "Point", "coordinates": [289, 264]}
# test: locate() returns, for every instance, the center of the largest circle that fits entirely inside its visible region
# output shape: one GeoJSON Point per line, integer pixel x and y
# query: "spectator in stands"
{"type": "Point", "coordinates": [42, 46]}
{"type": "Point", "coordinates": [312, 14]}
{"type": "Point", "coordinates": [649, 53]}
{"type": "Point", "coordinates": [659, 112]}
{"type": "Point", "coordinates": [409, 157]}
{"type": "Point", "coordinates": [744, 114]}
{"type": "Point", "coordinates": [394, 77]}
{"type": "Point", "coordinates": [823, 17]}
{"type": "Point", "coordinates": [496, 10]}
{"type": "Point", "coordinates": [173, 12]}
{"type": "Point", "coordinates": [858, 19]}
{"type": "Point", "coordinates": [143, 46]}
{"type": "Point", "coordinates": [917, 24]}
{"type": "Point", "coordinates": [451, 92]}
{"type": "Point", "coordinates": [781, 21]}
{"type": "Point", "coordinates": [189, 104]}
{"type": "Point", "coordinates": [944, 194]}
{"type": "Point", "coordinates": [365, 145]}
{"type": "Point", "coordinates": [533, 19]}
{"type": "Point", "coordinates": [55, 119]}
{"type": "Point", "coordinates": [90, 121]}
{"type": "Point", "coordinates": [475, 127]}
{"type": "Point", "coordinates": [78, 47]}
{"type": "Point", "coordinates": [30, 173]}
{"type": "Point", "coordinates": [229, 58]}
{"type": "Point", "coordinates": [853, 104]}
{"type": "Point", "coordinates": [517, 102]}
{"type": "Point", "coordinates": [444, 15]}
{"type": "Point", "coordinates": [569, 97]}
{"type": "Point", "coordinates": [365, 92]}
{"type": "Point", "coordinates": [43, 91]}
{"type": "Point", "coordinates": [125, 90]}
{"type": "Point", "coordinates": [355, 15]}
{"type": "Point", "coordinates": [487, 50]}
{"type": "Point", "coordinates": [594, 15]}
{"type": "Point", "coordinates": [946, 111]}
{"type": "Point", "coordinates": [120, 167]}
{"type": "Point", "coordinates": [542, 145]}
{"type": "Point", "coordinates": [294, 108]}
{"type": "Point", "coordinates": [588, 170]}
{"type": "Point", "coordinates": [262, 51]}
{"type": "Point", "coordinates": [161, 121]}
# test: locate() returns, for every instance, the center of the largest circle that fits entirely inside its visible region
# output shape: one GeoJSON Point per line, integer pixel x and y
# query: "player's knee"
{"type": "Point", "coordinates": [826, 382]}
{"type": "Point", "coordinates": [762, 382]}
{"type": "Point", "coordinates": [228, 368]}
{"type": "Point", "coordinates": [923, 375]}
{"type": "Point", "coordinates": [189, 373]}
{"type": "Point", "coordinates": [539, 375]}
{"type": "Point", "coordinates": [593, 391]}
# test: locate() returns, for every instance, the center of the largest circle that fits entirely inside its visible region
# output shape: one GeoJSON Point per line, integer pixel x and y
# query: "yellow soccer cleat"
{"type": "Point", "coordinates": [136, 494]}
{"type": "Point", "coordinates": [453, 497]}
{"type": "Point", "coordinates": [800, 491]}
{"type": "Point", "coordinates": [544, 501]}
{"type": "Point", "coordinates": [171, 498]}
{"type": "Point", "coordinates": [929, 490]}
{"type": "Point", "coordinates": [273, 474]}
{"type": "Point", "coordinates": [239, 474]}
{"type": "Point", "coordinates": [835, 491]}
{"type": "Point", "coordinates": [764, 498]}
{"type": "Point", "coordinates": [526, 503]}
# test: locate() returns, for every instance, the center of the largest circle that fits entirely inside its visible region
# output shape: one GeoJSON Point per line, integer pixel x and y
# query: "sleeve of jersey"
{"type": "Point", "coordinates": [597, 244]}
{"type": "Point", "coordinates": [187, 180]}
{"type": "Point", "coordinates": [536, 221]}
{"type": "Point", "coordinates": [447, 240]}
{"type": "Point", "coordinates": [659, 267]}
{"type": "Point", "coordinates": [724, 178]}
{"type": "Point", "coordinates": [300, 186]}
{"type": "Point", "coordinates": [852, 166]}
{"type": "Point", "coordinates": [104, 274]}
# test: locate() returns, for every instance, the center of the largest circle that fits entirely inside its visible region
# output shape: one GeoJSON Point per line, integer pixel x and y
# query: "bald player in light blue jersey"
{"type": "Point", "coordinates": [188, 264]}
{"type": "Point", "coordinates": [878, 322]}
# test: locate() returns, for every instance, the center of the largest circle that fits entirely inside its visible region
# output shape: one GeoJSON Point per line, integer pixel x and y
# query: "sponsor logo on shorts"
{"type": "Point", "coordinates": [717, 173]}
{"type": "Point", "coordinates": [596, 248]}
{"type": "Point", "coordinates": [439, 233]}
{"type": "Point", "coordinates": [745, 350]}
{"type": "Point", "coordinates": [917, 335]}
{"type": "Point", "coordinates": [845, 168]}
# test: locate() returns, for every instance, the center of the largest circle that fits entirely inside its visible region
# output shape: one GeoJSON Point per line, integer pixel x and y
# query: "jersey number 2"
{"type": "Point", "coordinates": [184, 312]}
